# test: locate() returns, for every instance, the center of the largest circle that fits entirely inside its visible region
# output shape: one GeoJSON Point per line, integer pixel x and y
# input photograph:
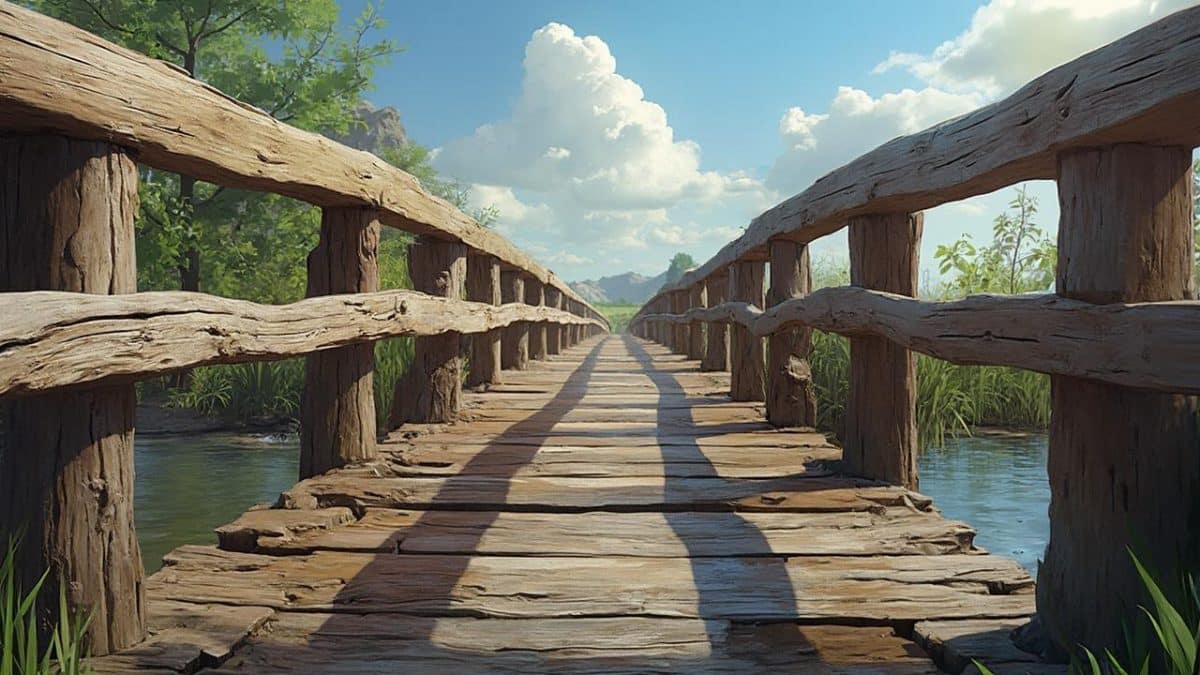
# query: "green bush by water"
{"type": "Point", "coordinates": [20, 650]}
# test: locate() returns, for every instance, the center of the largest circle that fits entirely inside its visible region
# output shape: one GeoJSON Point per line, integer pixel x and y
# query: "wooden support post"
{"type": "Point", "coordinates": [514, 353]}
{"type": "Point", "coordinates": [746, 365]}
{"type": "Point", "coordinates": [431, 390]}
{"type": "Point", "coordinates": [66, 459]}
{"type": "Point", "coordinates": [880, 441]}
{"type": "Point", "coordinates": [337, 408]}
{"type": "Point", "coordinates": [1123, 463]}
{"type": "Point", "coordinates": [696, 298]}
{"type": "Point", "coordinates": [716, 349]}
{"type": "Point", "coordinates": [791, 400]}
{"type": "Point", "coordinates": [553, 330]}
{"type": "Point", "coordinates": [535, 295]}
{"type": "Point", "coordinates": [483, 285]}
{"type": "Point", "coordinates": [679, 331]}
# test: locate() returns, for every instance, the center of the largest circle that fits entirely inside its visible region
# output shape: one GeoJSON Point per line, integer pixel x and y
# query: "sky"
{"type": "Point", "coordinates": [612, 135]}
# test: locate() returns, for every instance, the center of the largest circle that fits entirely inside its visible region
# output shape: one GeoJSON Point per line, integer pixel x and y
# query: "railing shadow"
{"type": "Point", "coordinates": [714, 576]}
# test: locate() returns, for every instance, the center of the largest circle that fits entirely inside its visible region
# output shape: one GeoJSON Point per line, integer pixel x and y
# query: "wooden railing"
{"type": "Point", "coordinates": [77, 115]}
{"type": "Point", "coordinates": [1120, 337]}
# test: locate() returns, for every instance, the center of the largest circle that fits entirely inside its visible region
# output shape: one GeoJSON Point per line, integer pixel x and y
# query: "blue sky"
{"type": "Point", "coordinates": [611, 135]}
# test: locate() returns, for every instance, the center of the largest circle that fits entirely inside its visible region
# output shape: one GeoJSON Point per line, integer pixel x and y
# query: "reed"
{"type": "Point", "coordinates": [21, 651]}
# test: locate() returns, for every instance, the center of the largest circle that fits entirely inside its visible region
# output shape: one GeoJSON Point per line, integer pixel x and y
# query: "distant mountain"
{"type": "Point", "coordinates": [627, 287]}
{"type": "Point", "coordinates": [379, 129]}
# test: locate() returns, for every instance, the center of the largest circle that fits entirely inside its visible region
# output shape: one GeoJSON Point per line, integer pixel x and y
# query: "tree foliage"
{"type": "Point", "coordinates": [1019, 259]}
{"type": "Point", "coordinates": [681, 263]}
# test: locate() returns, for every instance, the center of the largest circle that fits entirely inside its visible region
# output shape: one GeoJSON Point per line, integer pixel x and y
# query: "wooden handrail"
{"type": "Point", "coordinates": [1142, 88]}
{"type": "Point", "coordinates": [51, 340]}
{"type": "Point", "coordinates": [57, 78]}
{"type": "Point", "coordinates": [1144, 345]}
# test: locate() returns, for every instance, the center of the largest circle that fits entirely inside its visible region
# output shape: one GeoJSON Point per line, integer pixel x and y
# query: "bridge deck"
{"type": "Point", "coordinates": [606, 510]}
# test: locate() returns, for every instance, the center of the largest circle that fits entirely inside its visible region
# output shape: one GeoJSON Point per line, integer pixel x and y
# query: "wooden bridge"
{"type": "Point", "coordinates": [650, 502]}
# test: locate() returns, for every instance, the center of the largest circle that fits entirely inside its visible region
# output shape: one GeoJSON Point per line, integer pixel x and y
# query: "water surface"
{"type": "Point", "coordinates": [998, 485]}
{"type": "Point", "coordinates": [188, 485]}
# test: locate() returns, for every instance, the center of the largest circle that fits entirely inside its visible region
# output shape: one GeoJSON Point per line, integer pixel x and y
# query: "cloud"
{"type": "Point", "coordinates": [585, 161]}
{"type": "Point", "coordinates": [856, 122]}
{"type": "Point", "coordinates": [1010, 42]}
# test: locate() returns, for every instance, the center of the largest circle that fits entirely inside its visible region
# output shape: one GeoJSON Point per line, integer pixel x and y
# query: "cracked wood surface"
{"type": "Point", "coordinates": [520, 542]}
{"type": "Point", "coordinates": [1148, 345]}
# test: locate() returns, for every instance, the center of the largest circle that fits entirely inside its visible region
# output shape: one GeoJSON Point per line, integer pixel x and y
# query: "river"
{"type": "Point", "coordinates": [188, 485]}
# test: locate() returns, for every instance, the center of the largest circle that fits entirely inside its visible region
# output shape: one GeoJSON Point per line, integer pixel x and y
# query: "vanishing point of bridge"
{"type": "Point", "coordinates": [550, 497]}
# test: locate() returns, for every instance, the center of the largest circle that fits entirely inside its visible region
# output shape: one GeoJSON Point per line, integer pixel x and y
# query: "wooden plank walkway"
{"type": "Point", "coordinates": [607, 510]}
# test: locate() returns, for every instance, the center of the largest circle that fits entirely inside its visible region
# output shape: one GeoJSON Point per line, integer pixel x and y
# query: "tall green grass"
{"type": "Point", "coordinates": [21, 651]}
{"type": "Point", "coordinates": [618, 314]}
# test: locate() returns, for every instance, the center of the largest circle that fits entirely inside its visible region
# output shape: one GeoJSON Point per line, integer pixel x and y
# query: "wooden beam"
{"type": "Point", "coordinates": [679, 331]}
{"type": "Point", "coordinates": [791, 399]}
{"type": "Point", "coordinates": [483, 285]}
{"type": "Point", "coordinates": [1122, 465]}
{"type": "Point", "coordinates": [337, 406]}
{"type": "Point", "coordinates": [55, 77]}
{"type": "Point", "coordinates": [746, 365]}
{"type": "Point", "coordinates": [697, 297]}
{"type": "Point", "coordinates": [66, 459]}
{"type": "Point", "coordinates": [1141, 89]}
{"type": "Point", "coordinates": [554, 299]}
{"type": "Point", "coordinates": [431, 389]}
{"type": "Point", "coordinates": [62, 340]}
{"type": "Point", "coordinates": [514, 352]}
{"type": "Point", "coordinates": [716, 334]}
{"type": "Point", "coordinates": [535, 296]}
{"type": "Point", "coordinates": [880, 440]}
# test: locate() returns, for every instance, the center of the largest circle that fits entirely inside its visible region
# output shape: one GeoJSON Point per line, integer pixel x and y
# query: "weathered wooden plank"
{"type": "Point", "coordinates": [634, 493]}
{"type": "Point", "coordinates": [53, 339]}
{"type": "Point", "coordinates": [185, 636]}
{"type": "Point", "coordinates": [1147, 345]}
{"type": "Point", "coordinates": [500, 459]}
{"type": "Point", "coordinates": [848, 588]}
{"type": "Point", "coordinates": [360, 644]}
{"type": "Point", "coordinates": [955, 644]}
{"type": "Point", "coordinates": [1140, 88]}
{"type": "Point", "coordinates": [895, 532]}
{"type": "Point", "coordinates": [627, 436]}
{"type": "Point", "coordinates": [58, 78]}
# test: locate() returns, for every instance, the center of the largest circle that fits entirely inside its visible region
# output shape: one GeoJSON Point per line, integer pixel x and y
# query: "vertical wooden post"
{"type": "Point", "coordinates": [535, 295]}
{"type": "Point", "coordinates": [679, 331]}
{"type": "Point", "coordinates": [791, 400]}
{"type": "Point", "coordinates": [697, 297]}
{"type": "Point", "coordinates": [483, 285]}
{"type": "Point", "coordinates": [746, 365]}
{"type": "Point", "coordinates": [1123, 463]}
{"type": "Point", "coordinates": [514, 353]}
{"type": "Point", "coordinates": [337, 408]}
{"type": "Point", "coordinates": [66, 459]}
{"type": "Point", "coordinates": [881, 411]}
{"type": "Point", "coordinates": [431, 390]}
{"type": "Point", "coordinates": [553, 330]}
{"type": "Point", "coordinates": [716, 351]}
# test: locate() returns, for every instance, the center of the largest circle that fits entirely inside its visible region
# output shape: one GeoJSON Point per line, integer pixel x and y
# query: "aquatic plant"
{"type": "Point", "coordinates": [20, 650]}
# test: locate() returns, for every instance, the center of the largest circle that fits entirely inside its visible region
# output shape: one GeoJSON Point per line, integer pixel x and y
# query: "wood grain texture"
{"type": "Point", "coordinates": [337, 404]}
{"type": "Point", "coordinates": [880, 438]}
{"type": "Point", "coordinates": [697, 297]}
{"type": "Point", "coordinates": [535, 296]}
{"type": "Point", "coordinates": [67, 211]}
{"type": "Point", "coordinates": [483, 285]}
{"type": "Point", "coordinates": [514, 349]}
{"type": "Point", "coordinates": [58, 78]}
{"type": "Point", "coordinates": [1122, 463]}
{"type": "Point", "coordinates": [680, 332]}
{"type": "Point", "coordinates": [554, 339]}
{"type": "Point", "coordinates": [1138, 89]}
{"type": "Point", "coordinates": [53, 340]}
{"type": "Point", "coordinates": [747, 366]}
{"type": "Point", "coordinates": [431, 387]}
{"type": "Point", "coordinates": [791, 399]}
{"type": "Point", "coordinates": [716, 334]}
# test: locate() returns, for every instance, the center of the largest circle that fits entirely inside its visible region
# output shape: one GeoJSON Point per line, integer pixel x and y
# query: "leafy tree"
{"type": "Point", "coordinates": [291, 59]}
{"type": "Point", "coordinates": [681, 263]}
{"type": "Point", "coordinates": [1020, 258]}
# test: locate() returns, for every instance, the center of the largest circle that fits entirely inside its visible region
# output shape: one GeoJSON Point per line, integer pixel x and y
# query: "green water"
{"type": "Point", "coordinates": [997, 485]}
{"type": "Point", "coordinates": [186, 486]}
